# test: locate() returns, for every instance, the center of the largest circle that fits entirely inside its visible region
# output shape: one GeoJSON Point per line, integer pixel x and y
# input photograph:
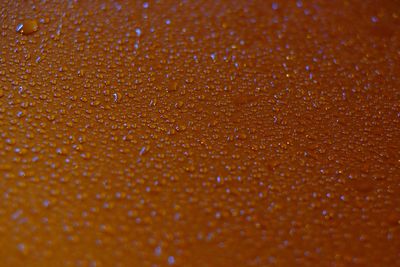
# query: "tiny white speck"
{"type": "Point", "coordinates": [138, 32]}
{"type": "Point", "coordinates": [46, 203]}
{"type": "Point", "coordinates": [171, 260]}
{"type": "Point", "coordinates": [157, 251]}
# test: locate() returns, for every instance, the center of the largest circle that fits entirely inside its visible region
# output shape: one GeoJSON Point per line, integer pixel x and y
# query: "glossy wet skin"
{"type": "Point", "coordinates": [200, 133]}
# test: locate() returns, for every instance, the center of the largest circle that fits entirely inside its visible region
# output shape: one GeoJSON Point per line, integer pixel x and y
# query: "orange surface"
{"type": "Point", "coordinates": [200, 133]}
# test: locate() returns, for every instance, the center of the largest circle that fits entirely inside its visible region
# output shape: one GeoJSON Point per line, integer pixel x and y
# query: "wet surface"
{"type": "Point", "coordinates": [200, 133]}
{"type": "Point", "coordinates": [27, 27]}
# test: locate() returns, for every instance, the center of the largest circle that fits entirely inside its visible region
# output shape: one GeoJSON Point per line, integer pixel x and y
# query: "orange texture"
{"type": "Point", "coordinates": [200, 133]}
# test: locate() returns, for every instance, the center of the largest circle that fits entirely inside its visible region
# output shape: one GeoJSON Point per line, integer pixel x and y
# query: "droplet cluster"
{"type": "Point", "coordinates": [200, 133]}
